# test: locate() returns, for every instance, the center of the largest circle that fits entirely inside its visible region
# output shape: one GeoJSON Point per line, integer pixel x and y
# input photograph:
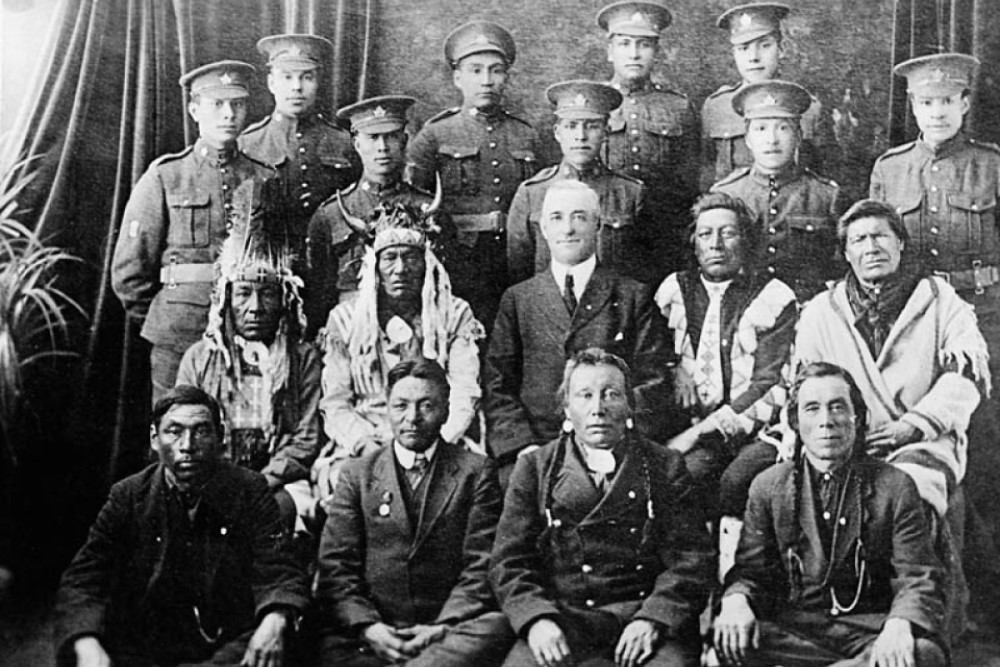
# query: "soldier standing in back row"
{"type": "Point", "coordinates": [481, 153]}
{"type": "Point", "coordinates": [755, 34]}
{"type": "Point", "coordinates": [626, 236]}
{"type": "Point", "coordinates": [178, 215]}
{"type": "Point", "coordinates": [796, 209]}
{"type": "Point", "coordinates": [313, 156]}
{"type": "Point", "coordinates": [653, 135]}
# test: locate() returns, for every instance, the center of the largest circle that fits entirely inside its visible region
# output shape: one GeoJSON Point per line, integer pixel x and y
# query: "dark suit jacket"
{"type": "Point", "coordinates": [534, 336]}
{"type": "Point", "coordinates": [904, 575]}
{"type": "Point", "coordinates": [375, 566]}
{"type": "Point", "coordinates": [603, 552]}
{"type": "Point", "coordinates": [109, 588]}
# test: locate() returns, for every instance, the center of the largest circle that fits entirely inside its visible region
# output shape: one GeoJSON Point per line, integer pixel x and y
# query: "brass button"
{"type": "Point", "coordinates": [587, 569]}
{"type": "Point", "coordinates": [934, 252]}
{"type": "Point", "coordinates": [493, 144]}
{"type": "Point", "coordinates": [590, 603]}
{"type": "Point", "coordinates": [771, 230]}
{"type": "Point", "coordinates": [934, 230]}
{"type": "Point", "coordinates": [934, 209]}
{"type": "Point", "coordinates": [809, 228]}
{"type": "Point", "coordinates": [773, 211]}
{"type": "Point", "coordinates": [638, 568]}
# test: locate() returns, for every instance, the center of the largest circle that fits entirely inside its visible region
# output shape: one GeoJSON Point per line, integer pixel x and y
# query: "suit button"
{"type": "Point", "coordinates": [724, 343]}
{"type": "Point", "coordinates": [496, 180]}
{"type": "Point", "coordinates": [589, 603]}
{"type": "Point", "coordinates": [633, 116]}
{"type": "Point", "coordinates": [642, 594]}
{"type": "Point", "coordinates": [934, 209]}
{"type": "Point", "coordinates": [304, 167]}
{"type": "Point", "coordinates": [631, 495]}
{"type": "Point", "coordinates": [773, 211]}
{"type": "Point", "coordinates": [635, 167]}
{"type": "Point", "coordinates": [635, 149]}
{"type": "Point", "coordinates": [809, 228]}
{"type": "Point", "coordinates": [302, 149]}
{"type": "Point", "coordinates": [633, 530]}
{"type": "Point", "coordinates": [770, 269]}
{"type": "Point", "coordinates": [496, 200]}
{"type": "Point", "coordinates": [934, 252]}
{"type": "Point", "coordinates": [587, 569]}
{"type": "Point", "coordinates": [771, 249]}
{"type": "Point", "coordinates": [634, 133]}
{"type": "Point", "coordinates": [495, 162]}
{"type": "Point", "coordinates": [493, 144]}
{"type": "Point", "coordinates": [771, 230]}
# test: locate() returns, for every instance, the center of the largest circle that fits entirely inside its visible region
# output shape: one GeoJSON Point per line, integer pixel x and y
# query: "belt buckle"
{"type": "Point", "coordinates": [171, 283]}
{"type": "Point", "coordinates": [497, 221]}
{"type": "Point", "coordinates": [977, 265]}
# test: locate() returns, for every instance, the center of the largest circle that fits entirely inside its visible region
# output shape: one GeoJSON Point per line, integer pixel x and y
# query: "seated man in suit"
{"type": "Point", "coordinates": [404, 310]}
{"type": "Point", "coordinates": [575, 304]}
{"type": "Point", "coordinates": [187, 561]}
{"type": "Point", "coordinates": [732, 328]}
{"type": "Point", "coordinates": [405, 550]}
{"type": "Point", "coordinates": [253, 361]}
{"type": "Point", "coordinates": [601, 556]}
{"type": "Point", "coordinates": [835, 564]}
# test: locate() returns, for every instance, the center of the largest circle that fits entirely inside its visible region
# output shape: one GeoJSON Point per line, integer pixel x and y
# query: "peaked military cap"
{"type": "Point", "coordinates": [746, 23]}
{"type": "Point", "coordinates": [478, 37]}
{"type": "Point", "coordinates": [226, 79]}
{"type": "Point", "coordinates": [939, 74]}
{"type": "Point", "coordinates": [377, 114]}
{"type": "Point", "coordinates": [581, 99]}
{"type": "Point", "coordinates": [638, 19]}
{"type": "Point", "coordinates": [296, 52]}
{"type": "Point", "coordinates": [771, 99]}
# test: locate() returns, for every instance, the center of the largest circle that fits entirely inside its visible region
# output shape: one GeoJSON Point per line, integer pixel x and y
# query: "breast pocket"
{"type": "Point", "coordinates": [811, 238]}
{"type": "Point", "coordinates": [190, 219]}
{"type": "Point", "coordinates": [975, 216]}
{"type": "Point", "coordinates": [460, 168]}
{"type": "Point", "coordinates": [337, 169]}
{"type": "Point", "coordinates": [617, 244]}
{"type": "Point", "coordinates": [526, 162]}
{"type": "Point", "coordinates": [659, 135]}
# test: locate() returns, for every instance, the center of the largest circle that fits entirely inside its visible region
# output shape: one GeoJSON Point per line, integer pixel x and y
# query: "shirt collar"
{"type": "Point", "coordinates": [581, 273]}
{"type": "Point", "coordinates": [945, 149]}
{"type": "Point", "coordinates": [786, 175]}
{"type": "Point", "coordinates": [214, 156]}
{"type": "Point", "coordinates": [715, 286]}
{"type": "Point", "coordinates": [406, 457]}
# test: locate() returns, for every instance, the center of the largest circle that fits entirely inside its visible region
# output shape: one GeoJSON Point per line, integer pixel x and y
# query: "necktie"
{"type": "Point", "coordinates": [569, 295]}
{"type": "Point", "coordinates": [417, 472]}
{"type": "Point", "coordinates": [710, 386]}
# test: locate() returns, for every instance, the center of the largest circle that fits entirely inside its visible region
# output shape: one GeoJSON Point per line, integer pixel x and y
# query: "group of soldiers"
{"type": "Point", "coordinates": [533, 412]}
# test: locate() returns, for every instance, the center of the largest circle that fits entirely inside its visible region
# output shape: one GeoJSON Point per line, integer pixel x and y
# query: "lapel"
{"type": "Point", "coordinates": [597, 293]}
{"type": "Point", "coordinates": [816, 567]}
{"type": "Point", "coordinates": [574, 493]}
{"type": "Point", "coordinates": [441, 487]}
{"type": "Point", "coordinates": [551, 309]}
{"type": "Point", "coordinates": [386, 482]}
{"type": "Point", "coordinates": [621, 492]}
{"type": "Point", "coordinates": [155, 524]}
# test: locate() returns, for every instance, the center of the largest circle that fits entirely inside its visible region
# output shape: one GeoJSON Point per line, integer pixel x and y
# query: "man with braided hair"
{"type": "Point", "coordinates": [835, 563]}
{"type": "Point", "coordinates": [253, 361]}
{"type": "Point", "coordinates": [404, 310]}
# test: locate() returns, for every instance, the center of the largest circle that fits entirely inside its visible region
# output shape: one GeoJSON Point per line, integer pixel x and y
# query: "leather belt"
{"type": "Point", "coordinates": [175, 274]}
{"type": "Point", "coordinates": [977, 278]}
{"type": "Point", "coordinates": [494, 221]}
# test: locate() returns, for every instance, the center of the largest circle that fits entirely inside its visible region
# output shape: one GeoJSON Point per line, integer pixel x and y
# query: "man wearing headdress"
{"type": "Point", "coordinates": [404, 310]}
{"type": "Point", "coordinates": [342, 229]}
{"type": "Point", "coordinates": [254, 362]}
{"type": "Point", "coordinates": [835, 563]}
{"type": "Point", "coordinates": [178, 215]}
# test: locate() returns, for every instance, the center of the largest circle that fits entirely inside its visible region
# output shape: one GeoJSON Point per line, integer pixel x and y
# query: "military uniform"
{"type": "Point", "coordinates": [336, 246]}
{"type": "Point", "coordinates": [481, 158]}
{"type": "Point", "coordinates": [723, 131]}
{"type": "Point", "coordinates": [623, 242]}
{"type": "Point", "coordinates": [314, 159]}
{"type": "Point", "coordinates": [798, 212]}
{"type": "Point", "coordinates": [173, 227]}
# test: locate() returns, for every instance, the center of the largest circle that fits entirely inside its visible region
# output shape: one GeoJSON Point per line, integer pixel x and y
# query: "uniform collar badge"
{"type": "Point", "coordinates": [226, 79]}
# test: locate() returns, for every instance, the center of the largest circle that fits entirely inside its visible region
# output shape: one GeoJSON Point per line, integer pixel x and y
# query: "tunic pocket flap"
{"type": "Point", "coordinates": [457, 151]}
{"type": "Point", "coordinates": [195, 199]}
{"type": "Point", "coordinates": [663, 128]}
{"type": "Point", "coordinates": [968, 202]}
{"type": "Point", "coordinates": [615, 222]}
{"type": "Point", "coordinates": [523, 156]}
{"type": "Point", "coordinates": [197, 294]}
{"type": "Point", "coordinates": [807, 223]}
{"type": "Point", "coordinates": [909, 205]}
{"type": "Point", "coordinates": [334, 161]}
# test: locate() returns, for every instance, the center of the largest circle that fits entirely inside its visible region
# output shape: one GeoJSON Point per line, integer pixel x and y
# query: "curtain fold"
{"type": "Point", "coordinates": [106, 104]}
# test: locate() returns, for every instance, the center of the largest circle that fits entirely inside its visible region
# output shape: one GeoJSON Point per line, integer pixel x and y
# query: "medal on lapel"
{"type": "Point", "coordinates": [383, 509]}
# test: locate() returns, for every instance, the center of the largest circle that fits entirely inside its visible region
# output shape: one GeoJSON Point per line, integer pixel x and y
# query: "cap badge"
{"type": "Point", "coordinates": [746, 20]}
{"type": "Point", "coordinates": [226, 79]}
{"type": "Point", "coordinates": [481, 39]}
{"type": "Point", "coordinates": [294, 51]}
{"type": "Point", "coordinates": [638, 18]}
{"type": "Point", "coordinates": [938, 75]}
{"type": "Point", "coordinates": [580, 100]}
{"type": "Point", "coordinates": [770, 100]}
{"type": "Point", "coordinates": [379, 112]}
